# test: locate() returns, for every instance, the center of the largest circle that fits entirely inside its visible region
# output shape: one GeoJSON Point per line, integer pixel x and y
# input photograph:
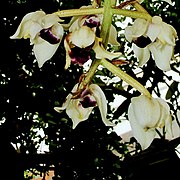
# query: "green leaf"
{"type": "Point", "coordinates": [172, 89]}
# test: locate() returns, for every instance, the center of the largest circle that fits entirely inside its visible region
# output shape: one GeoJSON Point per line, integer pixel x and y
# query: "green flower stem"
{"type": "Point", "coordinates": [107, 20]}
{"type": "Point", "coordinates": [139, 8]}
{"type": "Point", "coordinates": [132, 14]}
{"type": "Point", "coordinates": [79, 12]}
{"type": "Point", "coordinates": [125, 77]}
{"type": "Point", "coordinates": [108, 11]}
{"type": "Point", "coordinates": [90, 73]}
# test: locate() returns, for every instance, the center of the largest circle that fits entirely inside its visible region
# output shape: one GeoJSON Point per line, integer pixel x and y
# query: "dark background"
{"type": "Point", "coordinates": [28, 95]}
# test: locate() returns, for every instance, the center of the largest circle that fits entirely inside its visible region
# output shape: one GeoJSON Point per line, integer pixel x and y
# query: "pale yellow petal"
{"type": "Point", "coordinates": [143, 54]}
{"type": "Point", "coordinates": [64, 105]}
{"type": "Point", "coordinates": [168, 34]}
{"type": "Point", "coordinates": [100, 98]}
{"type": "Point", "coordinates": [77, 113]}
{"type": "Point", "coordinates": [165, 119]}
{"type": "Point", "coordinates": [138, 29]}
{"type": "Point", "coordinates": [34, 29]}
{"type": "Point", "coordinates": [142, 135]}
{"type": "Point", "coordinates": [23, 29]}
{"type": "Point", "coordinates": [146, 117]}
{"type": "Point", "coordinates": [49, 20]}
{"type": "Point", "coordinates": [162, 55]}
{"type": "Point", "coordinates": [58, 30]}
{"type": "Point", "coordinates": [153, 31]}
{"type": "Point", "coordinates": [82, 37]}
{"type": "Point", "coordinates": [44, 51]}
{"type": "Point", "coordinates": [113, 36]}
{"type": "Point", "coordinates": [102, 53]}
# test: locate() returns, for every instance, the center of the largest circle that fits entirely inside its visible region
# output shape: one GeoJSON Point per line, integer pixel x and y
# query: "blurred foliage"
{"type": "Point", "coordinates": [28, 95]}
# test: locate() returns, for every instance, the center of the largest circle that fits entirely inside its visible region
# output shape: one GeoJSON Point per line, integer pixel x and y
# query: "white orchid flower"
{"type": "Point", "coordinates": [79, 109]}
{"type": "Point", "coordinates": [44, 31]}
{"type": "Point", "coordinates": [80, 42]}
{"type": "Point", "coordinates": [156, 38]}
{"type": "Point", "coordinates": [94, 22]}
{"type": "Point", "coordinates": [84, 36]}
{"type": "Point", "coordinates": [168, 1]}
{"type": "Point", "coordinates": [146, 115]}
{"type": "Point", "coordinates": [78, 45]}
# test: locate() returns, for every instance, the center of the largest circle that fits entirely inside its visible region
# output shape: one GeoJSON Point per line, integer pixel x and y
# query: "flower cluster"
{"type": "Point", "coordinates": [46, 32]}
{"type": "Point", "coordinates": [146, 114]}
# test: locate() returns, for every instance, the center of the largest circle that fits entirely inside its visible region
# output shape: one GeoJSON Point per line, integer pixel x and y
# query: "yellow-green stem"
{"type": "Point", "coordinates": [107, 20]}
{"type": "Point", "coordinates": [106, 23]}
{"type": "Point", "coordinates": [111, 11]}
{"type": "Point", "coordinates": [79, 12]}
{"type": "Point", "coordinates": [90, 73]}
{"type": "Point", "coordinates": [139, 8]}
{"type": "Point", "coordinates": [132, 14]}
{"type": "Point", "coordinates": [125, 77]}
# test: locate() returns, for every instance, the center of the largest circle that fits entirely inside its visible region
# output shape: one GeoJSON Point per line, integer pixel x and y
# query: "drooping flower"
{"type": "Point", "coordinates": [78, 46]}
{"type": "Point", "coordinates": [146, 116]}
{"type": "Point", "coordinates": [79, 108]}
{"type": "Point", "coordinates": [84, 36]}
{"type": "Point", "coordinates": [81, 52]}
{"type": "Point", "coordinates": [94, 22]}
{"type": "Point", "coordinates": [156, 37]}
{"type": "Point", "coordinates": [44, 31]}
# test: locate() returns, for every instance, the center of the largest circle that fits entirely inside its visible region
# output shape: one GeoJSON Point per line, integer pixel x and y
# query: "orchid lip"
{"type": "Point", "coordinates": [142, 41]}
{"type": "Point", "coordinates": [88, 102]}
{"type": "Point", "coordinates": [90, 22]}
{"type": "Point", "coordinates": [47, 35]}
{"type": "Point", "coordinates": [79, 55]}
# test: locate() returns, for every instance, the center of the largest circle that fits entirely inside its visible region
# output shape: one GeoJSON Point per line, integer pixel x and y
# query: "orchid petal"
{"type": "Point", "coordinates": [162, 55]}
{"type": "Point", "coordinates": [138, 29]}
{"type": "Point", "coordinates": [153, 31]}
{"type": "Point", "coordinates": [113, 36]}
{"type": "Point", "coordinates": [168, 34]}
{"type": "Point", "coordinates": [58, 30]}
{"type": "Point", "coordinates": [77, 113]}
{"type": "Point", "coordinates": [142, 54]}
{"type": "Point", "coordinates": [82, 37]}
{"type": "Point", "coordinates": [34, 29]}
{"type": "Point", "coordinates": [102, 53]}
{"type": "Point", "coordinates": [143, 136]}
{"type": "Point", "coordinates": [49, 20]}
{"type": "Point", "coordinates": [23, 28]}
{"type": "Point", "coordinates": [144, 116]}
{"type": "Point", "coordinates": [145, 121]}
{"type": "Point", "coordinates": [100, 98]}
{"type": "Point", "coordinates": [74, 109]}
{"type": "Point", "coordinates": [165, 119]}
{"type": "Point", "coordinates": [65, 104]}
{"type": "Point", "coordinates": [44, 51]}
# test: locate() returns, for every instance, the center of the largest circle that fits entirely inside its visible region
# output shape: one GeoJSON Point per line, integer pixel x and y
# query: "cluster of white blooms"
{"type": "Point", "coordinates": [146, 114]}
